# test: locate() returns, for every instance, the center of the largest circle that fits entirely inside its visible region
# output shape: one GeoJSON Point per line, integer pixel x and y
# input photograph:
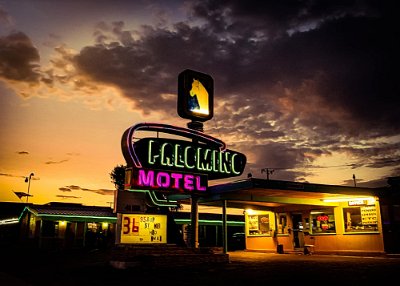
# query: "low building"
{"type": "Point", "coordinates": [67, 225]}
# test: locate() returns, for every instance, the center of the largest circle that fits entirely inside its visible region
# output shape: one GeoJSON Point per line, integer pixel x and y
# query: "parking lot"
{"type": "Point", "coordinates": [244, 268]}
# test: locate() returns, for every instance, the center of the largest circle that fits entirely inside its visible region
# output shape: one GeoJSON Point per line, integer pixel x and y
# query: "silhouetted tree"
{"type": "Point", "coordinates": [117, 176]}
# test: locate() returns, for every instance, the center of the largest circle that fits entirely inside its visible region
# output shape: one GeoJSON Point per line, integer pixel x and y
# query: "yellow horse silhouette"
{"type": "Point", "coordinates": [199, 98]}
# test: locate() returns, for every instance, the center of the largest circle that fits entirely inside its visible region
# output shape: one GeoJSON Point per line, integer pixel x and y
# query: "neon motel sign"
{"type": "Point", "coordinates": [177, 165]}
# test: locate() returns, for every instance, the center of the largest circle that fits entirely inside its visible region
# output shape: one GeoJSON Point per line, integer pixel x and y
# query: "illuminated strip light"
{"type": "Point", "coordinates": [189, 133]}
{"type": "Point", "coordinates": [27, 209]}
{"type": "Point", "coordinates": [156, 201]}
{"type": "Point", "coordinates": [9, 221]}
{"type": "Point", "coordinates": [336, 200]}
{"type": "Point", "coordinates": [207, 221]}
{"type": "Point", "coordinates": [22, 213]}
{"type": "Point", "coordinates": [78, 216]}
{"type": "Point", "coordinates": [66, 216]}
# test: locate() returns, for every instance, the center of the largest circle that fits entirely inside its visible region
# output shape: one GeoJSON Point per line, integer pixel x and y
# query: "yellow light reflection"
{"type": "Point", "coordinates": [370, 200]}
{"type": "Point", "coordinates": [250, 211]}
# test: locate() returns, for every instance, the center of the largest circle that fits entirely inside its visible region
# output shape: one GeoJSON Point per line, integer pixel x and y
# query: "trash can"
{"type": "Point", "coordinates": [279, 249]}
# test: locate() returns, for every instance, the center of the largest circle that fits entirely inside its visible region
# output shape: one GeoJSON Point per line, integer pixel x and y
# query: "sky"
{"type": "Point", "coordinates": [307, 89]}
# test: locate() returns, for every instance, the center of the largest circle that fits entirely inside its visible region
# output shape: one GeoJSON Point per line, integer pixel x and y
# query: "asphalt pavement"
{"type": "Point", "coordinates": [244, 268]}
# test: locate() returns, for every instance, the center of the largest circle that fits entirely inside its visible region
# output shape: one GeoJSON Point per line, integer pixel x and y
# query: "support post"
{"type": "Point", "coordinates": [224, 227]}
{"type": "Point", "coordinates": [194, 224]}
{"type": "Point", "coordinates": [194, 213]}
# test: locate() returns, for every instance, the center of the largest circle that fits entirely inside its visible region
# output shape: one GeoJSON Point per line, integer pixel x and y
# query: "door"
{"type": "Point", "coordinates": [298, 238]}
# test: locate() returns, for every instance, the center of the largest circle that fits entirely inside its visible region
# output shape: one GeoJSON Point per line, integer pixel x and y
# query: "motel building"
{"type": "Point", "coordinates": [283, 216]}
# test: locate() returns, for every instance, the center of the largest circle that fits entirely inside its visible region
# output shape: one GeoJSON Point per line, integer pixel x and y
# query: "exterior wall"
{"type": "Point", "coordinates": [341, 242]}
{"type": "Point", "coordinates": [261, 243]}
{"type": "Point", "coordinates": [347, 243]}
{"type": "Point", "coordinates": [344, 242]}
{"type": "Point", "coordinates": [260, 235]}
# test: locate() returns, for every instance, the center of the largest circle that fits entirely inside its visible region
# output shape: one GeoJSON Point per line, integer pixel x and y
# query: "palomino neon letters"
{"type": "Point", "coordinates": [171, 154]}
{"type": "Point", "coordinates": [128, 146]}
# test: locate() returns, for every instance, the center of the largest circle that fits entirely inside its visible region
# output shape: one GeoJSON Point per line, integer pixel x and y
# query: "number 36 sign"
{"type": "Point", "coordinates": [143, 228]}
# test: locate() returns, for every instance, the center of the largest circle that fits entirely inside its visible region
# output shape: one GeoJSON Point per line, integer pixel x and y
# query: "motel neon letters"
{"type": "Point", "coordinates": [165, 180]}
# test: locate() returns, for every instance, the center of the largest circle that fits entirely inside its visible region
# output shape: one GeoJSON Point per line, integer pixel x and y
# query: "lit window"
{"type": "Point", "coordinates": [323, 221]}
{"type": "Point", "coordinates": [258, 224]}
{"type": "Point", "coordinates": [360, 219]}
{"type": "Point", "coordinates": [282, 223]}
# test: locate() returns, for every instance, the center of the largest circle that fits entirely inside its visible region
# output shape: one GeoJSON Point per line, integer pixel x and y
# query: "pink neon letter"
{"type": "Point", "coordinates": [188, 182]}
{"type": "Point", "coordinates": [177, 178]}
{"type": "Point", "coordinates": [199, 187]}
{"type": "Point", "coordinates": [146, 180]}
{"type": "Point", "coordinates": [160, 180]}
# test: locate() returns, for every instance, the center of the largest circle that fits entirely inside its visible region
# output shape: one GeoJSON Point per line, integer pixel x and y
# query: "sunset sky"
{"type": "Point", "coordinates": [306, 88]}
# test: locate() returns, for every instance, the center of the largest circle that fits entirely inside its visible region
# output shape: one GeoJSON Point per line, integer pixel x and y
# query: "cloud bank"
{"type": "Point", "coordinates": [293, 82]}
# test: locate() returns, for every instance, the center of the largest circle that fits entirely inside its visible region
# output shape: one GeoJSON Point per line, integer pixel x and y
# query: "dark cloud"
{"type": "Point", "coordinates": [67, 197]}
{"type": "Point", "coordinates": [18, 58]}
{"type": "Point", "coordinates": [78, 188]}
{"type": "Point", "coordinates": [10, 175]}
{"type": "Point", "coordinates": [17, 176]}
{"type": "Point", "coordinates": [73, 187]}
{"type": "Point", "coordinates": [56, 162]}
{"type": "Point", "coordinates": [312, 77]}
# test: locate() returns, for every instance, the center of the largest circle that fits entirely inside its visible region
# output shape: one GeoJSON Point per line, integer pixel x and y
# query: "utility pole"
{"type": "Point", "coordinates": [28, 180]}
{"type": "Point", "coordinates": [354, 179]}
{"type": "Point", "coordinates": [268, 171]}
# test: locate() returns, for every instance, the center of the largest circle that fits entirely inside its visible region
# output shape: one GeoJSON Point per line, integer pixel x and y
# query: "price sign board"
{"type": "Point", "coordinates": [369, 215]}
{"type": "Point", "coordinates": [144, 228]}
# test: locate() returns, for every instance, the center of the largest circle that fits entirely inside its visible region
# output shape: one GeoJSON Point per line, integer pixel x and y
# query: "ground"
{"type": "Point", "coordinates": [23, 267]}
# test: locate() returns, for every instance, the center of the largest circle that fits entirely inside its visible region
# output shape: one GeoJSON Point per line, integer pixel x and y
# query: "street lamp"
{"type": "Point", "coordinates": [28, 180]}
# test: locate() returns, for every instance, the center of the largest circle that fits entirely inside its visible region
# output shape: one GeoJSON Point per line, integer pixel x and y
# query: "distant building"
{"type": "Point", "coordinates": [67, 225]}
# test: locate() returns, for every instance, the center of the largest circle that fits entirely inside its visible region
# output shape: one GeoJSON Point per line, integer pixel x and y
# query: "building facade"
{"type": "Point", "coordinates": [290, 216]}
{"type": "Point", "coordinates": [275, 216]}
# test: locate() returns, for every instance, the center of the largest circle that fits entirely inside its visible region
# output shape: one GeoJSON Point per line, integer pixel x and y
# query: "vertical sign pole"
{"type": "Point", "coordinates": [194, 213]}
{"type": "Point", "coordinates": [194, 217]}
{"type": "Point", "coordinates": [225, 227]}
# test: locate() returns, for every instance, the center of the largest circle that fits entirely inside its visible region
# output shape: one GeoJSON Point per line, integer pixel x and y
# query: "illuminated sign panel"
{"type": "Point", "coordinates": [358, 203]}
{"type": "Point", "coordinates": [143, 228]}
{"type": "Point", "coordinates": [207, 155]}
{"type": "Point", "coordinates": [165, 164]}
{"type": "Point", "coordinates": [164, 180]}
{"type": "Point", "coordinates": [178, 155]}
{"type": "Point", "coordinates": [195, 95]}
